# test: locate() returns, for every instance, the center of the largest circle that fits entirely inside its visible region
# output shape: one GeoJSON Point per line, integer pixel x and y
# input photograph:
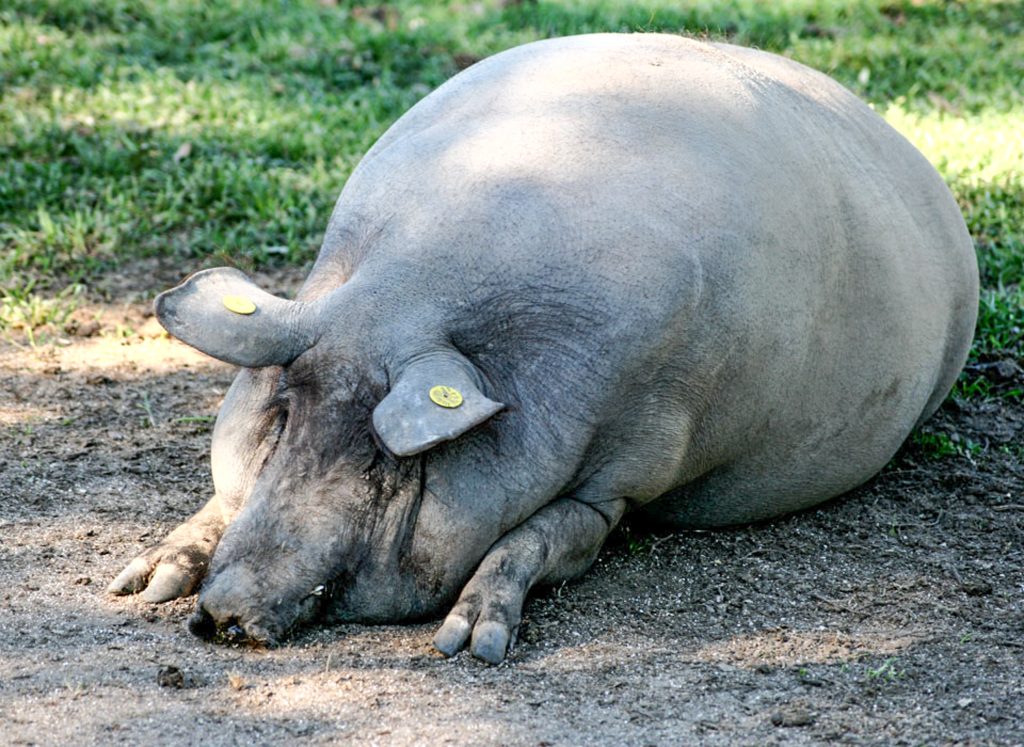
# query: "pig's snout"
{"type": "Point", "coordinates": [229, 629]}
{"type": "Point", "coordinates": [230, 610]}
{"type": "Point", "coordinates": [201, 624]}
{"type": "Point", "coordinates": [233, 609]}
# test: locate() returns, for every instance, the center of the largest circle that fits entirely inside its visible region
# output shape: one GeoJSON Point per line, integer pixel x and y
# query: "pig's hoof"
{"type": "Point", "coordinates": [486, 616]}
{"type": "Point", "coordinates": [168, 582]}
{"type": "Point", "coordinates": [452, 635]}
{"type": "Point", "coordinates": [160, 575]}
{"type": "Point", "coordinates": [490, 641]}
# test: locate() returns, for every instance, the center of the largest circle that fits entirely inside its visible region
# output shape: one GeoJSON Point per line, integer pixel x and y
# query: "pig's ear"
{"type": "Point", "coordinates": [224, 314]}
{"type": "Point", "coordinates": [433, 400]}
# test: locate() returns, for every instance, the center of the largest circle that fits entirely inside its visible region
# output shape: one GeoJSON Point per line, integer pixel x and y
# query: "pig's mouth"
{"type": "Point", "coordinates": [259, 629]}
{"type": "Point", "coordinates": [230, 631]}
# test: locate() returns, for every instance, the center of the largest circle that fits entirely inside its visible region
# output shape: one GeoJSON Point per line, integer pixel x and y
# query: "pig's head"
{"type": "Point", "coordinates": [324, 443]}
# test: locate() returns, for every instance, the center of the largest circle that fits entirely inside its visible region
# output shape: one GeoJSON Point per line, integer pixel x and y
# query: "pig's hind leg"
{"type": "Point", "coordinates": [557, 543]}
{"type": "Point", "coordinates": [175, 567]}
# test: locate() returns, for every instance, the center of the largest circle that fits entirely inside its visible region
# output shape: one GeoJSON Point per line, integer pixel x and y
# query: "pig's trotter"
{"type": "Point", "coordinates": [174, 567]}
{"type": "Point", "coordinates": [557, 543]}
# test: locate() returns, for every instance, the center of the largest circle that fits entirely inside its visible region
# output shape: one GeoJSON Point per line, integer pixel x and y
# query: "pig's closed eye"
{"type": "Point", "coordinates": [273, 425]}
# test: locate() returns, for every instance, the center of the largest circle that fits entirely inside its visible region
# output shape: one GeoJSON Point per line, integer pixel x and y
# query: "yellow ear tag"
{"type": "Point", "coordinates": [239, 304]}
{"type": "Point", "coordinates": [445, 396]}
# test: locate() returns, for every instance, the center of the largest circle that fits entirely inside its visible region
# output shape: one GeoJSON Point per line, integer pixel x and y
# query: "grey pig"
{"type": "Point", "coordinates": [586, 276]}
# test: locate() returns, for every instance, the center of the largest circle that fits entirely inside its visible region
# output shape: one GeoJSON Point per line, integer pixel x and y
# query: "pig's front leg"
{"type": "Point", "coordinates": [175, 567]}
{"type": "Point", "coordinates": [557, 543]}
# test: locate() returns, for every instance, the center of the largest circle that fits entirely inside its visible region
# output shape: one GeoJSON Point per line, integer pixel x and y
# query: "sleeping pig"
{"type": "Point", "coordinates": [587, 276]}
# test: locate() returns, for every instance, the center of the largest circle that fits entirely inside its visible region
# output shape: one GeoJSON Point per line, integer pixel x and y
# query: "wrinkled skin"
{"type": "Point", "coordinates": [695, 280]}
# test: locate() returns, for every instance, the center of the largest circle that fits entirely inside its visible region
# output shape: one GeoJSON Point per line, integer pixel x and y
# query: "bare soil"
{"type": "Point", "coordinates": [894, 615]}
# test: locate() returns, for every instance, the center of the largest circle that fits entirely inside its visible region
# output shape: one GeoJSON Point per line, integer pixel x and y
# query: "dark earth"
{"type": "Point", "coordinates": [893, 615]}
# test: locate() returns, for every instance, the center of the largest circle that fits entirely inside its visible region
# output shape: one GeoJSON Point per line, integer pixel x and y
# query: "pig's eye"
{"type": "Point", "coordinates": [279, 403]}
{"type": "Point", "coordinates": [294, 382]}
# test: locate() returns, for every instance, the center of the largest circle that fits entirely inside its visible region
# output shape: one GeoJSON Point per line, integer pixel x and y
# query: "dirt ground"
{"type": "Point", "coordinates": [894, 615]}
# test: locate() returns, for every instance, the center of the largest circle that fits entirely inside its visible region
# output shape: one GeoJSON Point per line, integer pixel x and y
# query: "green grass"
{"type": "Point", "coordinates": [939, 445]}
{"type": "Point", "coordinates": [214, 131]}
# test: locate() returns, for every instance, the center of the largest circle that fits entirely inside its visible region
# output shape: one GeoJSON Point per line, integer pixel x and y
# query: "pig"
{"type": "Point", "coordinates": [587, 276]}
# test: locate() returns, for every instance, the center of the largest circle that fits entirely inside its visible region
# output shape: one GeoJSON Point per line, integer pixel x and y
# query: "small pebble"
{"type": "Point", "coordinates": [170, 677]}
{"type": "Point", "coordinates": [793, 717]}
{"type": "Point", "coordinates": [976, 588]}
{"type": "Point", "coordinates": [1006, 370]}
